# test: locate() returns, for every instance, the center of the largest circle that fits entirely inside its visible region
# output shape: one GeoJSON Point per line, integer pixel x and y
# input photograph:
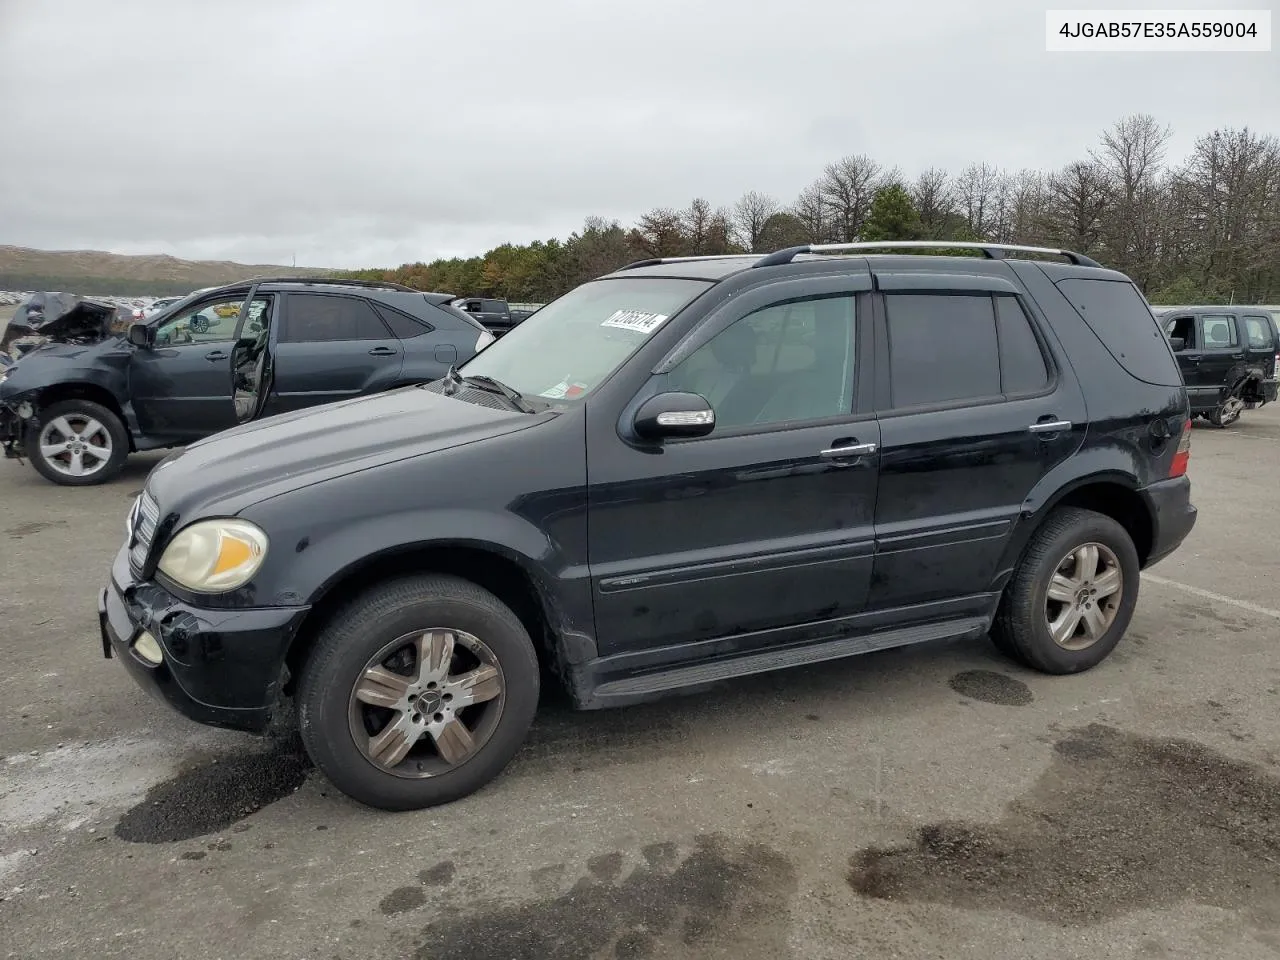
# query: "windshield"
{"type": "Point", "coordinates": [569, 347]}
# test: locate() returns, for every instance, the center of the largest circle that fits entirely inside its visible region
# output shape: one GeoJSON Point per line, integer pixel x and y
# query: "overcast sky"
{"type": "Point", "coordinates": [382, 131]}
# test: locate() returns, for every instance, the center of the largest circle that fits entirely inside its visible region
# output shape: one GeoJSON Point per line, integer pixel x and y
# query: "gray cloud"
{"type": "Point", "coordinates": [372, 133]}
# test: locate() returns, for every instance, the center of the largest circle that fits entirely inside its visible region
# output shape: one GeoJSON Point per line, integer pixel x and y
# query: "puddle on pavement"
{"type": "Point", "coordinates": [720, 893]}
{"type": "Point", "coordinates": [212, 797]}
{"type": "Point", "coordinates": [991, 687]}
{"type": "Point", "coordinates": [1117, 823]}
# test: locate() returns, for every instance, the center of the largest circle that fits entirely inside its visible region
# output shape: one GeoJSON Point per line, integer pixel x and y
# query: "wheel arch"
{"type": "Point", "coordinates": [93, 393]}
{"type": "Point", "coordinates": [491, 566]}
{"type": "Point", "coordinates": [1112, 493]}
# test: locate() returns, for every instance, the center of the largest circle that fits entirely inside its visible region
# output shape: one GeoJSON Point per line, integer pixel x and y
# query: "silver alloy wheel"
{"type": "Point", "coordinates": [75, 445]}
{"type": "Point", "coordinates": [426, 702]}
{"type": "Point", "coordinates": [1232, 407]}
{"type": "Point", "coordinates": [1084, 596]}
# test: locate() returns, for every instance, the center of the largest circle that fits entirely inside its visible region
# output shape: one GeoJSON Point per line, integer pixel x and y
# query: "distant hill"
{"type": "Point", "coordinates": [90, 272]}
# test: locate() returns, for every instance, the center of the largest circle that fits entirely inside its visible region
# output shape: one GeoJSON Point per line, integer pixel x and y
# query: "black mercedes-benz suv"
{"type": "Point", "coordinates": [684, 472]}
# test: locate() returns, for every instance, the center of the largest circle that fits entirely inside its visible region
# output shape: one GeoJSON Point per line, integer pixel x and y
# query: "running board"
{"type": "Point", "coordinates": [650, 684]}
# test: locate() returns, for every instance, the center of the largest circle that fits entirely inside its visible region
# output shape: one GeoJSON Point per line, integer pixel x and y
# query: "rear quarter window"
{"type": "Point", "coordinates": [1118, 315]}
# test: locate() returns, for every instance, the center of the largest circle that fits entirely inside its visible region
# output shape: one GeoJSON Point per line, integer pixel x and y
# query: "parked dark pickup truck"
{"type": "Point", "coordinates": [1227, 355]}
{"type": "Point", "coordinates": [497, 315]}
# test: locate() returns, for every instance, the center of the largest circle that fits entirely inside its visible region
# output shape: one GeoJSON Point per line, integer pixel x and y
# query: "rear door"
{"type": "Point", "coordinates": [1259, 343]}
{"type": "Point", "coordinates": [329, 347]}
{"type": "Point", "coordinates": [976, 404]}
{"type": "Point", "coordinates": [1222, 354]}
{"type": "Point", "coordinates": [429, 350]}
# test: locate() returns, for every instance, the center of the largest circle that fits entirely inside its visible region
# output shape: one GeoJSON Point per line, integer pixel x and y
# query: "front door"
{"type": "Point", "coordinates": [973, 412]}
{"type": "Point", "coordinates": [766, 523]}
{"type": "Point", "coordinates": [329, 347]}
{"type": "Point", "coordinates": [181, 385]}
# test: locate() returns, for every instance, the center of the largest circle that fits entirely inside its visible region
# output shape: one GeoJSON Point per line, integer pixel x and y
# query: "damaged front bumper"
{"type": "Point", "coordinates": [14, 418]}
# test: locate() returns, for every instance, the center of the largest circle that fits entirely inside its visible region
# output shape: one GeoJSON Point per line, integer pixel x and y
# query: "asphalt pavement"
{"type": "Point", "coordinates": [932, 802]}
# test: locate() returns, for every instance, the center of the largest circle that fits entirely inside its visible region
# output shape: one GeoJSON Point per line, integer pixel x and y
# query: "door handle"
{"type": "Point", "coordinates": [1237, 356]}
{"type": "Point", "coordinates": [215, 355]}
{"type": "Point", "coordinates": [382, 352]}
{"type": "Point", "coordinates": [1050, 426]}
{"type": "Point", "coordinates": [852, 450]}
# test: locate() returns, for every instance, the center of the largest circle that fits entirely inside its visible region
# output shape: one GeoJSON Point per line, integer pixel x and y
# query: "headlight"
{"type": "Point", "coordinates": [214, 556]}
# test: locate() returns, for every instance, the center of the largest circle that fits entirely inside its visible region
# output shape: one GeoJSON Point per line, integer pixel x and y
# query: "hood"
{"type": "Point", "coordinates": [231, 470]}
{"type": "Point", "coordinates": [59, 317]}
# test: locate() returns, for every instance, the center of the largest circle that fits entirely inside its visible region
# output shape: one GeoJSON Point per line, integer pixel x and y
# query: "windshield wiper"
{"type": "Point", "coordinates": [497, 386]}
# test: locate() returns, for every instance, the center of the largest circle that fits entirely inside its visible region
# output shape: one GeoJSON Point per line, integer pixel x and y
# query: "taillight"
{"type": "Point", "coordinates": [1179, 465]}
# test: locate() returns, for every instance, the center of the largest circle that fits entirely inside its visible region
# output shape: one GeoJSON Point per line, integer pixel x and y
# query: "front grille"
{"type": "Point", "coordinates": [145, 518]}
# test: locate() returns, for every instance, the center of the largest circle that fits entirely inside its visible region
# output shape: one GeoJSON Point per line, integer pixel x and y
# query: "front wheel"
{"type": "Point", "coordinates": [1072, 595]}
{"type": "Point", "coordinates": [418, 693]}
{"type": "Point", "coordinates": [77, 443]}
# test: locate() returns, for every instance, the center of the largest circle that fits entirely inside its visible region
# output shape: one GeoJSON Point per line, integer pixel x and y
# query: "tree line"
{"type": "Point", "coordinates": [1205, 228]}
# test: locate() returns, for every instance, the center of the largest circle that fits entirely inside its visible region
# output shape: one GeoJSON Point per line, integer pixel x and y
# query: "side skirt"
{"type": "Point", "coordinates": [630, 678]}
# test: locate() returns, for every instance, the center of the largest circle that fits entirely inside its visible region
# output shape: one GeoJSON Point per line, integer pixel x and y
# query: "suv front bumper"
{"type": "Point", "coordinates": [1172, 515]}
{"type": "Point", "coordinates": [223, 668]}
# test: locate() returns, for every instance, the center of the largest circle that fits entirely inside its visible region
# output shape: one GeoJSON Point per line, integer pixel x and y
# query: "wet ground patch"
{"type": "Point", "coordinates": [991, 687]}
{"type": "Point", "coordinates": [212, 797]}
{"type": "Point", "coordinates": [36, 526]}
{"type": "Point", "coordinates": [721, 892]}
{"type": "Point", "coordinates": [1116, 823]}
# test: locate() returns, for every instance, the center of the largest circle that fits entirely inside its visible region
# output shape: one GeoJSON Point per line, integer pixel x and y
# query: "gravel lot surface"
{"type": "Point", "coordinates": [933, 802]}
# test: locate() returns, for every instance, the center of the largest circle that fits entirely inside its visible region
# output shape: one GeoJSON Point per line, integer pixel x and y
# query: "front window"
{"type": "Point", "coordinates": [570, 346]}
{"type": "Point", "coordinates": [208, 322]}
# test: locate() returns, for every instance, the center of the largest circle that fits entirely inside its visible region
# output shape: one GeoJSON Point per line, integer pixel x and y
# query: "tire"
{"type": "Point", "coordinates": [93, 425]}
{"type": "Point", "coordinates": [1022, 627]}
{"type": "Point", "coordinates": [1227, 412]}
{"type": "Point", "coordinates": [331, 717]}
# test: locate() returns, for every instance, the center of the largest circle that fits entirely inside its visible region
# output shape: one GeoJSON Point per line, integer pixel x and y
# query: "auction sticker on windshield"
{"type": "Point", "coordinates": [635, 320]}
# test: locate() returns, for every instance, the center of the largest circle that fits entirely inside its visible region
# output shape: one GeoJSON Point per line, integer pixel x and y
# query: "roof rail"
{"type": "Point", "coordinates": [336, 282]}
{"type": "Point", "coordinates": [993, 251]}
{"type": "Point", "coordinates": [654, 261]}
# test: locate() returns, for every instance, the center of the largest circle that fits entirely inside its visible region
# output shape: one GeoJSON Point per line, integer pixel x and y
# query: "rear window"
{"type": "Point", "coordinates": [1118, 315]}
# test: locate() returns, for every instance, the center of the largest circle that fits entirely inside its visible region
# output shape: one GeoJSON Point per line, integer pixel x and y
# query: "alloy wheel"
{"type": "Point", "coordinates": [1084, 596]}
{"type": "Point", "coordinates": [75, 445]}
{"type": "Point", "coordinates": [426, 702]}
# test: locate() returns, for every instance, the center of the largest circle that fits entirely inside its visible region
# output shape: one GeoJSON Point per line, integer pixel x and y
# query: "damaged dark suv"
{"type": "Point", "coordinates": [682, 473]}
{"type": "Point", "coordinates": [80, 402]}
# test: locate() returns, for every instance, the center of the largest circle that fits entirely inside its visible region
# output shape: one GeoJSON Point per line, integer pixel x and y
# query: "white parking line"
{"type": "Point", "coordinates": [1210, 595]}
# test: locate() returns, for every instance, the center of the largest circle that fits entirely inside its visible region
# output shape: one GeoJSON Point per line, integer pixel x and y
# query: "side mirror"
{"type": "Point", "coordinates": [140, 335]}
{"type": "Point", "coordinates": [674, 415]}
{"type": "Point", "coordinates": [1178, 343]}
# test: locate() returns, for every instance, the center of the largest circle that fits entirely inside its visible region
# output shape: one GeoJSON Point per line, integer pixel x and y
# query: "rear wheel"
{"type": "Point", "coordinates": [418, 693]}
{"type": "Point", "coordinates": [1072, 595]}
{"type": "Point", "coordinates": [77, 443]}
{"type": "Point", "coordinates": [1227, 412]}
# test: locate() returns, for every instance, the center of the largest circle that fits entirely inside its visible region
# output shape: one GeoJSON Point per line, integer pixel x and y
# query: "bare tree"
{"type": "Point", "coordinates": [1229, 191]}
{"type": "Point", "coordinates": [1130, 157]}
{"type": "Point", "coordinates": [933, 196]}
{"type": "Point", "coordinates": [1077, 198]}
{"type": "Point", "coordinates": [750, 214]}
{"type": "Point", "coordinates": [811, 211]}
{"type": "Point", "coordinates": [1028, 207]}
{"type": "Point", "coordinates": [977, 195]}
{"type": "Point", "coordinates": [847, 188]}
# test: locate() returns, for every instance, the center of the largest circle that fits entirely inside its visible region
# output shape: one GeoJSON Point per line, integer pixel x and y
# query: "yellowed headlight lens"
{"type": "Point", "coordinates": [214, 556]}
